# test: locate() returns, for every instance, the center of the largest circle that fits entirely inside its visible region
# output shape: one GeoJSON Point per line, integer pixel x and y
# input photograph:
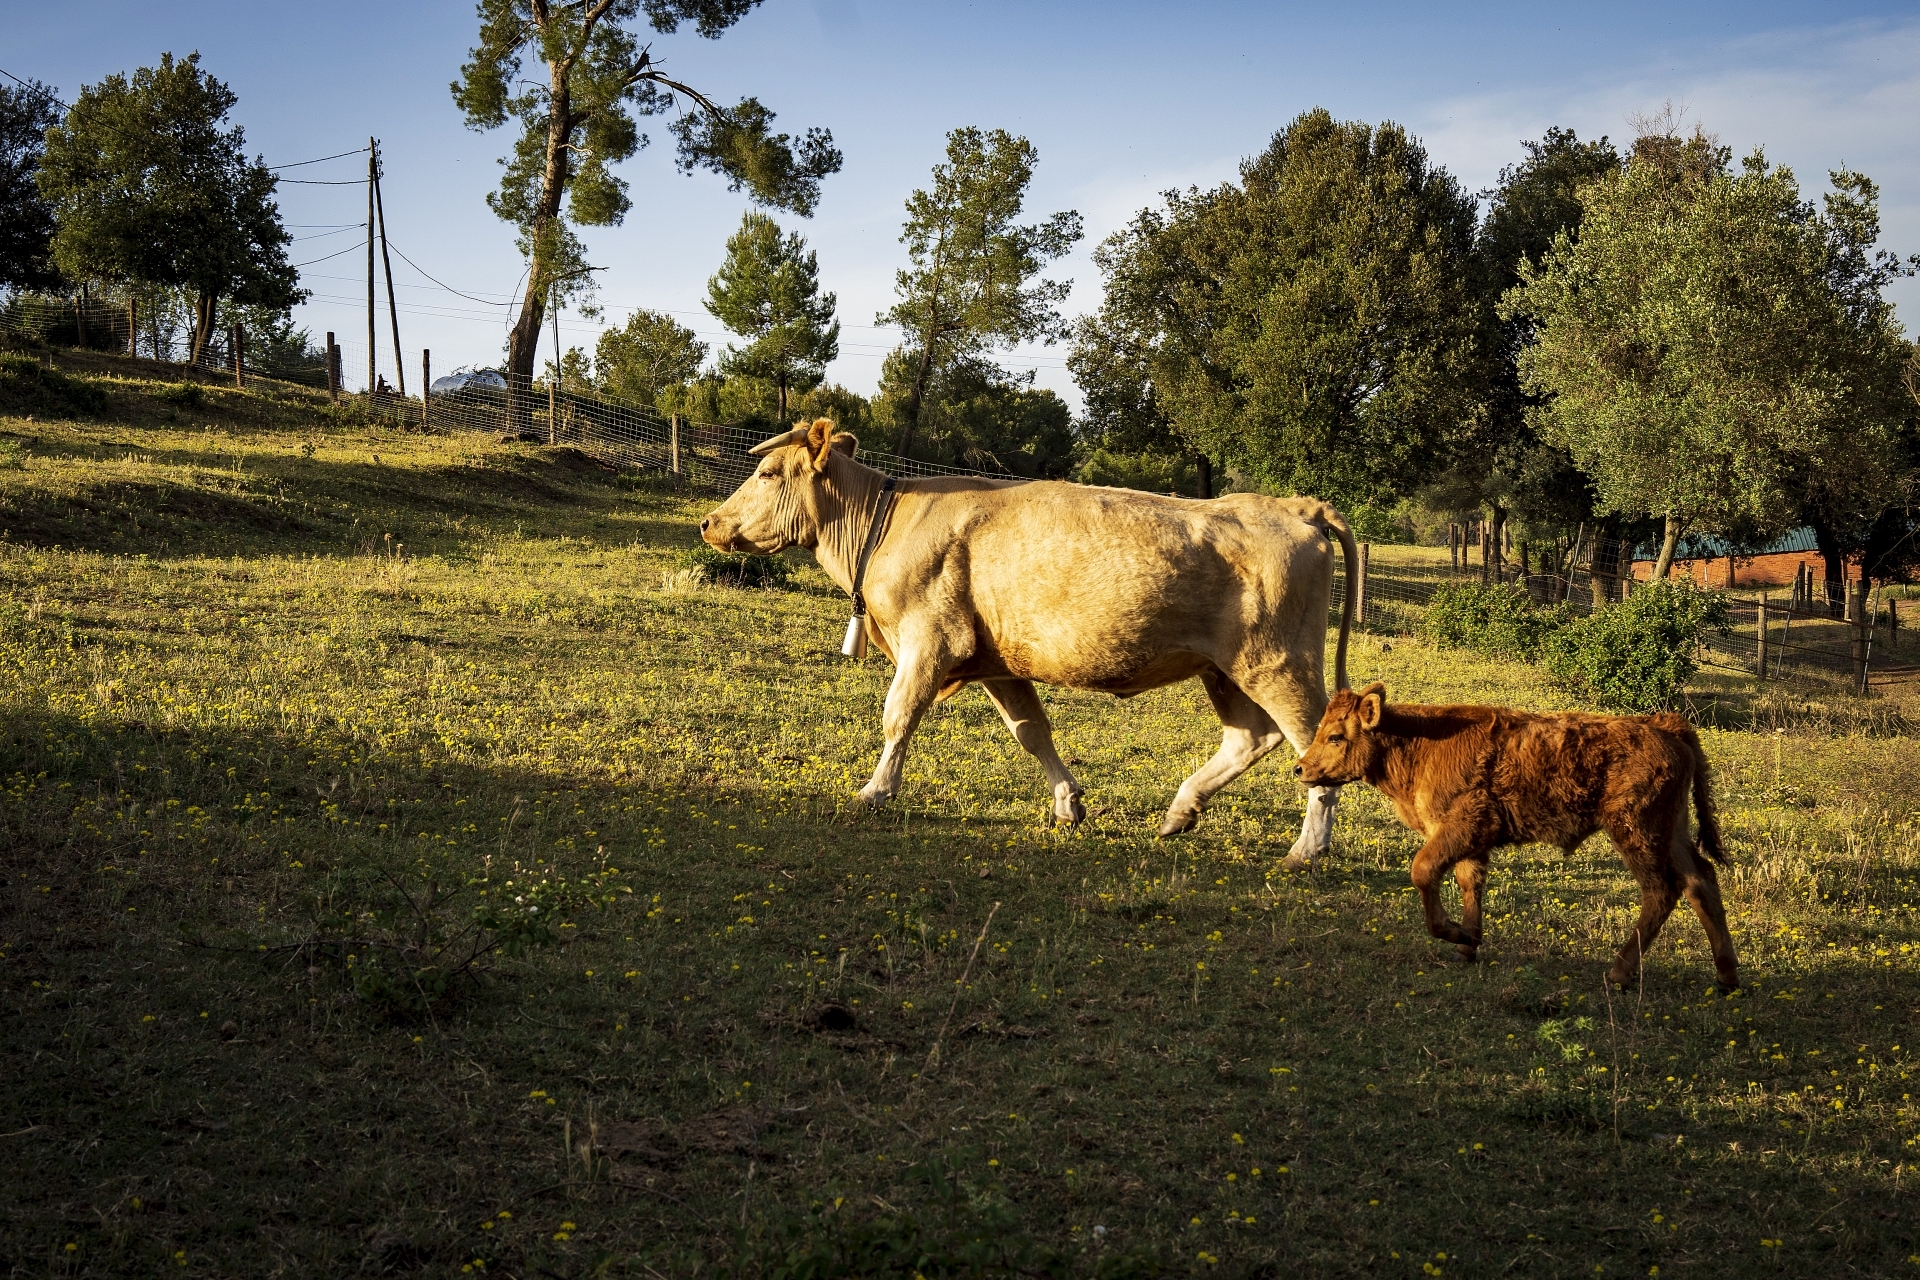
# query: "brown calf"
{"type": "Point", "coordinates": [1471, 779]}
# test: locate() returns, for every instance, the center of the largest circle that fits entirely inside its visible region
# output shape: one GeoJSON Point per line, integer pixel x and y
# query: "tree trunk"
{"type": "Point", "coordinates": [916, 397]}
{"type": "Point", "coordinates": [1669, 542]}
{"type": "Point", "coordinates": [1205, 476]}
{"type": "Point", "coordinates": [203, 308]}
{"type": "Point", "coordinates": [1604, 562]}
{"type": "Point", "coordinates": [524, 342]}
{"type": "Point", "coordinates": [1834, 569]}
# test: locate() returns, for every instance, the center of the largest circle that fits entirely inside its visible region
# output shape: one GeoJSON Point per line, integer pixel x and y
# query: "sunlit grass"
{"type": "Point", "coordinates": [242, 746]}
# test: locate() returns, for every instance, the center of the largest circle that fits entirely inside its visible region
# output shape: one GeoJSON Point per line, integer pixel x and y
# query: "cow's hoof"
{"type": "Point", "coordinates": [1068, 809]}
{"type": "Point", "coordinates": [1297, 862]}
{"type": "Point", "coordinates": [1178, 820]}
{"type": "Point", "coordinates": [874, 797]}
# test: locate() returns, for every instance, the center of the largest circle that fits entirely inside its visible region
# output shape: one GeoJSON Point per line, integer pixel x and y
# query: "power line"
{"type": "Point", "coordinates": [349, 249]}
{"type": "Point", "coordinates": [449, 288]}
{"type": "Point", "coordinates": [322, 160]}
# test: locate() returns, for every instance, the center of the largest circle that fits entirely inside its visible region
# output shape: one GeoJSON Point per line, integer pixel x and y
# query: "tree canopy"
{"type": "Point", "coordinates": [147, 186]}
{"type": "Point", "coordinates": [580, 121]}
{"type": "Point", "coordinates": [768, 292]}
{"type": "Point", "coordinates": [971, 283]}
{"type": "Point", "coordinates": [1312, 323]}
{"type": "Point", "coordinates": [27, 111]}
{"type": "Point", "coordinates": [650, 352]}
{"type": "Point", "coordinates": [1711, 350]}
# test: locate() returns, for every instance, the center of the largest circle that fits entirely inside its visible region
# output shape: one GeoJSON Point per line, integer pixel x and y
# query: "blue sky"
{"type": "Point", "coordinates": [1122, 100]}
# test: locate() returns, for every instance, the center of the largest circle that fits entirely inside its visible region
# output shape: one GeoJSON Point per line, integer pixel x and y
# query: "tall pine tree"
{"type": "Point", "coordinates": [768, 292]}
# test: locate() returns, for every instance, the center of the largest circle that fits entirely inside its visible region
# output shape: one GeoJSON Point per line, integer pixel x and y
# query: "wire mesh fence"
{"type": "Point", "coordinates": [1835, 635]}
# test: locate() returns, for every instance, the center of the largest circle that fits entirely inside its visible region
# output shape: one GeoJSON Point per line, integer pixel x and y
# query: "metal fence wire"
{"type": "Point", "coordinates": [1845, 636]}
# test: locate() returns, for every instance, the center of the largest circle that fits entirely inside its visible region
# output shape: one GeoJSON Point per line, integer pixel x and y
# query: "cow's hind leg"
{"type": "Point", "coordinates": [1026, 719]}
{"type": "Point", "coordinates": [1247, 733]}
{"type": "Point", "coordinates": [1294, 702]}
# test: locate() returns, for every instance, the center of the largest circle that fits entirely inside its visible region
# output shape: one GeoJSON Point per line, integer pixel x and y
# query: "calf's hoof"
{"type": "Point", "coordinates": [1728, 983]}
{"type": "Point", "coordinates": [1467, 953]}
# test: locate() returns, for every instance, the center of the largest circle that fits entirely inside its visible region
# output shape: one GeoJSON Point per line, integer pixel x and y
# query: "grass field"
{"type": "Point", "coordinates": [405, 872]}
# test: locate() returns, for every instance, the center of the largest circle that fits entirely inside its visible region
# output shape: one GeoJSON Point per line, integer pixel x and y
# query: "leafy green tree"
{"type": "Point", "coordinates": [971, 283]}
{"type": "Point", "coordinates": [580, 122]}
{"type": "Point", "coordinates": [976, 414]}
{"type": "Point", "coordinates": [1500, 463]}
{"type": "Point", "coordinates": [1312, 323]}
{"type": "Point", "coordinates": [1696, 354]}
{"type": "Point", "coordinates": [27, 111]}
{"type": "Point", "coordinates": [650, 352]}
{"type": "Point", "coordinates": [768, 292]}
{"type": "Point", "coordinates": [148, 187]}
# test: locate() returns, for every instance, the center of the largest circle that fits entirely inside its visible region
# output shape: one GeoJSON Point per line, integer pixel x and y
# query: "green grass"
{"type": "Point", "coordinates": [284, 694]}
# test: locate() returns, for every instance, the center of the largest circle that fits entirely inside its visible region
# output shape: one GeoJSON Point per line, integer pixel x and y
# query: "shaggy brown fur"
{"type": "Point", "coordinates": [1471, 779]}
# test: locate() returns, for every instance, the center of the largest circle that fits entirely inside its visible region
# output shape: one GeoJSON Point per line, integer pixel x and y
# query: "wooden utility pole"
{"type": "Point", "coordinates": [1760, 637]}
{"type": "Point", "coordinates": [372, 332]}
{"type": "Point", "coordinates": [553, 383]}
{"type": "Point", "coordinates": [333, 369]}
{"type": "Point", "coordinates": [426, 382]}
{"type": "Point", "coordinates": [386, 264]}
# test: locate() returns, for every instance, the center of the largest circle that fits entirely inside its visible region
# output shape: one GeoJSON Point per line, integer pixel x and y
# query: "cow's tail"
{"type": "Point", "coordinates": [1703, 810]}
{"type": "Point", "coordinates": [1334, 523]}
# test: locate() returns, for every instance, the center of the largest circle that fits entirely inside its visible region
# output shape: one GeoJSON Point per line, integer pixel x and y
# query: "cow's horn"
{"type": "Point", "coordinates": [781, 441]}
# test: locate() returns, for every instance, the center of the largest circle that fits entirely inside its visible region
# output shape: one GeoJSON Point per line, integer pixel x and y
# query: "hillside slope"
{"type": "Point", "coordinates": [406, 872]}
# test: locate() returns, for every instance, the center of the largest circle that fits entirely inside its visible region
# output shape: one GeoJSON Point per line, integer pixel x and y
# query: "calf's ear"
{"type": "Point", "coordinates": [1373, 704]}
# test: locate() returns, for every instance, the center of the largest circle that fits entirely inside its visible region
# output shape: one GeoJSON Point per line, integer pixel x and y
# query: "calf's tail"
{"type": "Point", "coordinates": [1703, 809]}
{"type": "Point", "coordinates": [1334, 523]}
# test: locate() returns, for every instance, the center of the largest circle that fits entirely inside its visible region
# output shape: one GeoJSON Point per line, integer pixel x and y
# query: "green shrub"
{"type": "Point", "coordinates": [719, 569]}
{"type": "Point", "coordinates": [1635, 655]}
{"type": "Point", "coordinates": [184, 395]}
{"type": "Point", "coordinates": [1498, 622]}
{"type": "Point", "coordinates": [1147, 472]}
{"type": "Point", "coordinates": [27, 386]}
{"type": "Point", "coordinates": [1385, 525]}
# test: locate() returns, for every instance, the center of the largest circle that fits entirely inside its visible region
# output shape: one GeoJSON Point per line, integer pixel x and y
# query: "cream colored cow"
{"type": "Point", "coordinates": [1006, 583]}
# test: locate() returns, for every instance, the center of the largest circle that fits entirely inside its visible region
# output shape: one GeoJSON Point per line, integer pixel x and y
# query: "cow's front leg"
{"type": "Point", "coordinates": [915, 682]}
{"type": "Point", "coordinates": [1027, 721]}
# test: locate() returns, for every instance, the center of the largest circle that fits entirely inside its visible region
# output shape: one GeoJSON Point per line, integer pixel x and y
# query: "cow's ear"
{"type": "Point", "coordinates": [1373, 705]}
{"type": "Point", "coordinates": [819, 442]}
{"type": "Point", "coordinates": [846, 443]}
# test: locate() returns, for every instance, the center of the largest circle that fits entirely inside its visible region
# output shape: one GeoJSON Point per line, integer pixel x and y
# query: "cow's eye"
{"type": "Point", "coordinates": [1336, 737]}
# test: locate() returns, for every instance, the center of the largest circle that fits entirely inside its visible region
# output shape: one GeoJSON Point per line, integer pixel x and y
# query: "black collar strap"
{"type": "Point", "coordinates": [873, 539]}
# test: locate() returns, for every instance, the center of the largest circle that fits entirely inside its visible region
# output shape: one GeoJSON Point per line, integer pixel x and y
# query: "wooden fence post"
{"type": "Point", "coordinates": [1760, 637]}
{"type": "Point", "coordinates": [1486, 553]}
{"type": "Point", "coordinates": [673, 445]}
{"type": "Point", "coordinates": [133, 324]}
{"type": "Point", "coordinates": [333, 369]}
{"type": "Point", "coordinates": [1360, 588]}
{"type": "Point", "coordinates": [426, 382]}
{"type": "Point", "coordinates": [239, 358]}
{"type": "Point", "coordinates": [1857, 615]}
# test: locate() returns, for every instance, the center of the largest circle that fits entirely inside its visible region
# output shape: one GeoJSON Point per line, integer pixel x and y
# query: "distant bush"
{"type": "Point", "coordinates": [27, 386]}
{"type": "Point", "coordinates": [1496, 621]}
{"type": "Point", "coordinates": [1386, 525]}
{"type": "Point", "coordinates": [1636, 655]}
{"type": "Point", "coordinates": [1147, 472]}
{"type": "Point", "coordinates": [1633, 656]}
{"type": "Point", "coordinates": [716, 568]}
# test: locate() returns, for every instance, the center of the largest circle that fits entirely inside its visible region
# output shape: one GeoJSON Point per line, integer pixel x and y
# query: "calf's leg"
{"type": "Point", "coordinates": [1445, 849]}
{"type": "Point", "coordinates": [1247, 733]}
{"type": "Point", "coordinates": [1653, 868]}
{"type": "Point", "coordinates": [1471, 875]}
{"type": "Point", "coordinates": [1026, 720]}
{"type": "Point", "coordinates": [1701, 884]}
